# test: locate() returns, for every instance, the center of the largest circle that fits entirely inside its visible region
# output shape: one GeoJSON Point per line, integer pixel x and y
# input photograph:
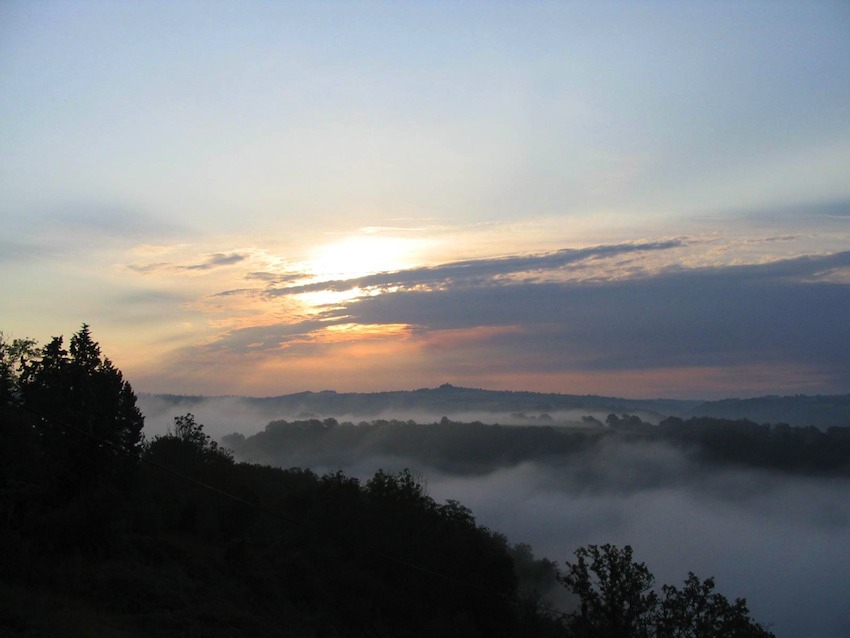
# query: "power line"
{"type": "Point", "coordinates": [363, 549]}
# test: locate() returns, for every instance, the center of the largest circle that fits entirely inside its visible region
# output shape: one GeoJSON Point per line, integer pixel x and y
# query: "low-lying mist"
{"type": "Point", "coordinates": [225, 415]}
{"type": "Point", "coordinates": [780, 540]}
{"type": "Point", "coordinates": [219, 415]}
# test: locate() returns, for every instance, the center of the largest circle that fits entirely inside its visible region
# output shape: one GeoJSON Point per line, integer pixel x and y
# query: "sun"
{"type": "Point", "coordinates": [358, 256]}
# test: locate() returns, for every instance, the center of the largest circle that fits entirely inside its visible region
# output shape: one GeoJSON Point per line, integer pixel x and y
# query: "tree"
{"type": "Point", "coordinates": [13, 355]}
{"type": "Point", "coordinates": [617, 601]}
{"type": "Point", "coordinates": [615, 592]}
{"type": "Point", "coordinates": [403, 487]}
{"type": "Point", "coordinates": [187, 447]}
{"type": "Point", "coordinates": [696, 611]}
{"type": "Point", "coordinates": [20, 453]}
{"type": "Point", "coordinates": [91, 428]}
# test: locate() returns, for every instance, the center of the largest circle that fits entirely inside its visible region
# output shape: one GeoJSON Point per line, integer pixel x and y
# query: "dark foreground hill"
{"type": "Point", "coordinates": [183, 541]}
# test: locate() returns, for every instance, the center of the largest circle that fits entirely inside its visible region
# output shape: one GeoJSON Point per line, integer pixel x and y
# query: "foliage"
{"type": "Point", "coordinates": [478, 448]}
{"type": "Point", "coordinates": [697, 611]}
{"type": "Point", "coordinates": [192, 543]}
{"type": "Point", "coordinates": [186, 446]}
{"type": "Point", "coordinates": [90, 427]}
{"type": "Point", "coordinates": [448, 445]}
{"type": "Point", "coordinates": [617, 601]}
{"type": "Point", "coordinates": [615, 593]}
{"type": "Point", "coordinates": [802, 450]}
{"type": "Point", "coordinates": [13, 356]}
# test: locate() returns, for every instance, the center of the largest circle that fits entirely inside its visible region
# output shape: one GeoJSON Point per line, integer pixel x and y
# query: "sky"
{"type": "Point", "coordinates": [256, 198]}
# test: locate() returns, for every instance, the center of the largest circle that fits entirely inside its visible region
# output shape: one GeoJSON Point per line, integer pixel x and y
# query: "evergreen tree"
{"type": "Point", "coordinates": [90, 426]}
{"type": "Point", "coordinates": [13, 354]}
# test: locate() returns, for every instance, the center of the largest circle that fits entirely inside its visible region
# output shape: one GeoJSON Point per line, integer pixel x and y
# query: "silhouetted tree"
{"type": "Point", "coordinates": [617, 601]}
{"type": "Point", "coordinates": [13, 355]}
{"type": "Point", "coordinates": [92, 428]}
{"type": "Point", "coordinates": [697, 611]}
{"type": "Point", "coordinates": [616, 594]}
{"type": "Point", "coordinates": [187, 447]}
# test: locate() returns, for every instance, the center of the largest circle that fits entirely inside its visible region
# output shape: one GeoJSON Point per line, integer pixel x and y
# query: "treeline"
{"type": "Point", "coordinates": [780, 447]}
{"type": "Point", "coordinates": [462, 448]}
{"type": "Point", "coordinates": [452, 446]}
{"type": "Point", "coordinates": [105, 533]}
{"type": "Point", "coordinates": [800, 410]}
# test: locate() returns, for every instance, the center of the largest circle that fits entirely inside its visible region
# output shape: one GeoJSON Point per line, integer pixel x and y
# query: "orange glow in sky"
{"type": "Point", "coordinates": [599, 197]}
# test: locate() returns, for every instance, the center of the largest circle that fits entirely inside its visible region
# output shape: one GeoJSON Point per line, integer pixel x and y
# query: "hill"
{"type": "Point", "coordinates": [493, 406]}
{"type": "Point", "coordinates": [821, 411]}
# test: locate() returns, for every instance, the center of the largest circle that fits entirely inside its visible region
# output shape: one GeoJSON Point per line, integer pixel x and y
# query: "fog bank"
{"type": "Point", "coordinates": [780, 541]}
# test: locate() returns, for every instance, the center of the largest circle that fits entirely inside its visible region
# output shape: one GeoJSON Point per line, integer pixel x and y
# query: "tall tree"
{"type": "Point", "coordinates": [91, 427]}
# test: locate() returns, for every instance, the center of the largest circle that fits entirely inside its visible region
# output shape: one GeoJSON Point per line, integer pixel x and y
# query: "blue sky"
{"type": "Point", "coordinates": [624, 198]}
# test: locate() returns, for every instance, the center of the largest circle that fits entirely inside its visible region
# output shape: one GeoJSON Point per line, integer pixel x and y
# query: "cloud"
{"type": "Point", "coordinates": [780, 318]}
{"type": "Point", "coordinates": [275, 277]}
{"type": "Point", "coordinates": [93, 220]}
{"type": "Point", "coordinates": [779, 541]}
{"type": "Point", "coordinates": [74, 229]}
{"type": "Point", "coordinates": [695, 317]}
{"type": "Point", "coordinates": [149, 268]}
{"type": "Point", "coordinates": [268, 337]}
{"type": "Point", "coordinates": [111, 220]}
{"type": "Point", "coordinates": [216, 260]}
{"type": "Point", "coordinates": [838, 209]}
{"type": "Point", "coordinates": [13, 250]}
{"type": "Point", "coordinates": [478, 271]}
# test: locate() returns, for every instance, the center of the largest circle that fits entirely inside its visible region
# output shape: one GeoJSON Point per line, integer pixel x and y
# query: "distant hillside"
{"type": "Point", "coordinates": [447, 400]}
{"type": "Point", "coordinates": [798, 410]}
{"type": "Point", "coordinates": [495, 406]}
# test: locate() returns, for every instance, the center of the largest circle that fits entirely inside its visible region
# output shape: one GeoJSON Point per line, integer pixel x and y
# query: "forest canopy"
{"type": "Point", "coordinates": [476, 447]}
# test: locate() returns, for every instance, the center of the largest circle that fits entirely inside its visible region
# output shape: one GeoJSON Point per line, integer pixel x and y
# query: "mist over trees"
{"type": "Point", "coordinates": [760, 506]}
{"type": "Point", "coordinates": [479, 448]}
{"type": "Point", "coordinates": [426, 405]}
{"type": "Point", "coordinates": [103, 532]}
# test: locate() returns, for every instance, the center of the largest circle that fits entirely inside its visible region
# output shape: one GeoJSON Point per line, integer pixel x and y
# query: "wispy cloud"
{"type": "Point", "coordinates": [153, 267]}
{"type": "Point", "coordinates": [477, 271]}
{"type": "Point", "coordinates": [216, 260]}
{"type": "Point", "coordinates": [13, 250]}
{"type": "Point", "coordinates": [270, 338]}
{"type": "Point", "coordinates": [93, 220]}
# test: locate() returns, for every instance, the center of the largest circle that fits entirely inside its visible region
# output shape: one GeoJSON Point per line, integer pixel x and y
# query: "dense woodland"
{"type": "Point", "coordinates": [477, 447]}
{"type": "Point", "coordinates": [104, 533]}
